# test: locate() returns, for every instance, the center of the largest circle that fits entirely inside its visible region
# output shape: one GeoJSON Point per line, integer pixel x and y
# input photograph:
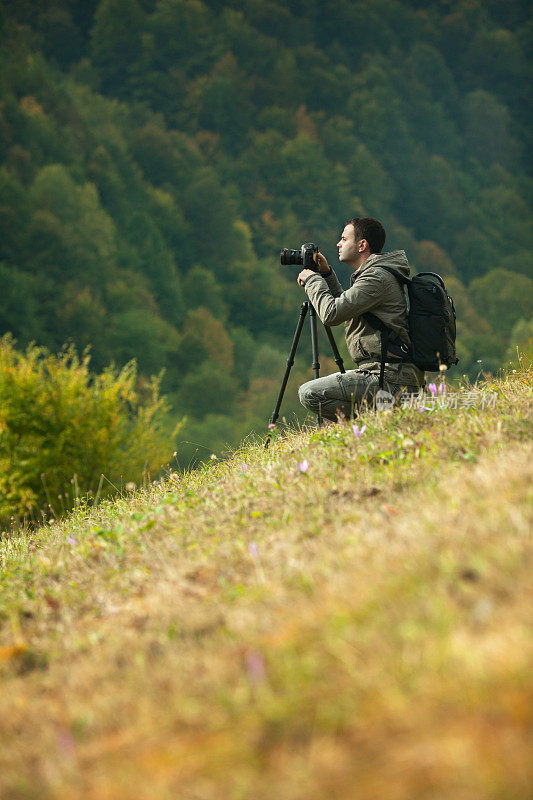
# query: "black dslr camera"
{"type": "Point", "coordinates": [303, 257]}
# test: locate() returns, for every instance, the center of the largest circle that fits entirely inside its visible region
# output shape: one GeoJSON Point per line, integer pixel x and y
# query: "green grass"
{"type": "Point", "coordinates": [361, 628]}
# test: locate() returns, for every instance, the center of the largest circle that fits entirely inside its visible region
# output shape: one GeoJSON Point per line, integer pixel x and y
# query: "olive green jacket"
{"type": "Point", "coordinates": [371, 289]}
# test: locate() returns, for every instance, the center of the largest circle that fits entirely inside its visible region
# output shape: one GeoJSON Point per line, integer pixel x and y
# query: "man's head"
{"type": "Point", "coordinates": [361, 237]}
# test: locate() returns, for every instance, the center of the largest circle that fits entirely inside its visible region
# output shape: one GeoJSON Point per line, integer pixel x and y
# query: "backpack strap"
{"type": "Point", "coordinates": [402, 351]}
{"type": "Point", "coordinates": [398, 275]}
{"type": "Point", "coordinates": [380, 326]}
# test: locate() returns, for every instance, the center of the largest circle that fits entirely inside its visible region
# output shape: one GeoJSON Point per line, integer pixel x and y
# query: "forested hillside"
{"type": "Point", "coordinates": [156, 156]}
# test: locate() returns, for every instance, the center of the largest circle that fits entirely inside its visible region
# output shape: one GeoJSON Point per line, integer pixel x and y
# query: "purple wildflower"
{"type": "Point", "coordinates": [65, 741]}
{"type": "Point", "coordinates": [442, 388]}
{"type": "Point", "coordinates": [433, 389]}
{"type": "Point", "coordinates": [423, 408]}
{"type": "Point", "coordinates": [255, 666]}
{"type": "Point", "coordinates": [303, 466]}
{"type": "Point", "coordinates": [271, 425]}
{"type": "Point", "coordinates": [253, 550]}
{"type": "Point", "coordinates": [359, 431]}
{"type": "Point", "coordinates": [71, 540]}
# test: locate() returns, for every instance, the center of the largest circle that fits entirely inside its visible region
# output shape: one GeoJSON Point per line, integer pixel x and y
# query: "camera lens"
{"type": "Point", "coordinates": [288, 257]}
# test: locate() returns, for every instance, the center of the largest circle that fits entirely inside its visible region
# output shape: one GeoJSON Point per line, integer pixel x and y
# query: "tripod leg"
{"type": "Point", "coordinates": [314, 341]}
{"type": "Point", "coordinates": [290, 361]}
{"type": "Point", "coordinates": [314, 348]}
{"type": "Point", "coordinates": [336, 355]}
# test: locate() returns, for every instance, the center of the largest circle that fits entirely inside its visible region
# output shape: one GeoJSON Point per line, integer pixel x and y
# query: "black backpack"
{"type": "Point", "coordinates": [431, 318]}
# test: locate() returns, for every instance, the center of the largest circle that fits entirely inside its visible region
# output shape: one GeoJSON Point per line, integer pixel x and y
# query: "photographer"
{"type": "Point", "coordinates": [372, 289]}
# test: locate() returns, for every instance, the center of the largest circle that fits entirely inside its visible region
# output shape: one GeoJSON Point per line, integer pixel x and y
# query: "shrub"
{"type": "Point", "coordinates": [62, 428]}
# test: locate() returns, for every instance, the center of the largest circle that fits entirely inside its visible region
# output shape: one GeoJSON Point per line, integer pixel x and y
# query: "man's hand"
{"type": "Point", "coordinates": [304, 274]}
{"type": "Point", "coordinates": [322, 265]}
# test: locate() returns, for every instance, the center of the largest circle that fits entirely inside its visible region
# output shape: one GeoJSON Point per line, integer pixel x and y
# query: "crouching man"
{"type": "Point", "coordinates": [372, 289]}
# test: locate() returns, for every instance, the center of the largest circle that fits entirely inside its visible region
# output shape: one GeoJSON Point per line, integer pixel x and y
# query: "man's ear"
{"type": "Point", "coordinates": [363, 245]}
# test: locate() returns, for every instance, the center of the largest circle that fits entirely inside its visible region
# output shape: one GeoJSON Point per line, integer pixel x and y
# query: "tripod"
{"type": "Point", "coordinates": [305, 307]}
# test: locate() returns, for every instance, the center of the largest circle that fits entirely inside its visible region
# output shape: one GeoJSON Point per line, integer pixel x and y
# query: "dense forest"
{"type": "Point", "coordinates": [156, 155]}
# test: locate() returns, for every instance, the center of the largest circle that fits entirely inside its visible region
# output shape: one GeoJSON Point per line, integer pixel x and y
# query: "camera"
{"type": "Point", "coordinates": [302, 257]}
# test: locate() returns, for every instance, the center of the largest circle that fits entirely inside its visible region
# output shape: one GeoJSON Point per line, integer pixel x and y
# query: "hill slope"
{"type": "Point", "coordinates": [340, 615]}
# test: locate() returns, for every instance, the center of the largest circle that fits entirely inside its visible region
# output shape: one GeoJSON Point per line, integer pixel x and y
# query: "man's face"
{"type": "Point", "coordinates": [347, 246]}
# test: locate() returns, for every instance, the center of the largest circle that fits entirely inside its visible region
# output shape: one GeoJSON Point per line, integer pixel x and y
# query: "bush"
{"type": "Point", "coordinates": [62, 428]}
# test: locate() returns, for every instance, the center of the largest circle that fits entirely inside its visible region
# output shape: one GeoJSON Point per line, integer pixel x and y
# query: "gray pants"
{"type": "Point", "coordinates": [343, 394]}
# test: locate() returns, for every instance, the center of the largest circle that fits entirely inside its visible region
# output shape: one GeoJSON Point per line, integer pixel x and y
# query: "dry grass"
{"type": "Point", "coordinates": [358, 630]}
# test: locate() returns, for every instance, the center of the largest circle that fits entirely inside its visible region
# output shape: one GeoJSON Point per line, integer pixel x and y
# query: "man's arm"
{"type": "Point", "coordinates": [364, 295]}
{"type": "Point", "coordinates": [333, 284]}
{"type": "Point", "coordinates": [325, 272]}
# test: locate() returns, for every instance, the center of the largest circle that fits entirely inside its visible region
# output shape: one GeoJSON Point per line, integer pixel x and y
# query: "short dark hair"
{"type": "Point", "coordinates": [370, 229]}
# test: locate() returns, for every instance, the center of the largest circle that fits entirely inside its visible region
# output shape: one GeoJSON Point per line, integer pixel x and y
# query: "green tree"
{"type": "Point", "coordinates": [204, 339]}
{"type": "Point", "coordinates": [61, 427]}
{"type": "Point", "coordinates": [14, 214]}
{"type": "Point", "coordinates": [207, 389]}
{"type": "Point", "coordinates": [69, 233]}
{"type": "Point", "coordinates": [19, 310]}
{"type": "Point", "coordinates": [156, 262]}
{"type": "Point", "coordinates": [488, 130]}
{"type": "Point", "coordinates": [201, 288]}
{"type": "Point", "coordinates": [138, 333]}
{"type": "Point", "coordinates": [211, 211]}
{"type": "Point", "coordinates": [62, 39]}
{"type": "Point", "coordinates": [183, 33]}
{"type": "Point", "coordinates": [199, 440]}
{"type": "Point", "coordinates": [502, 297]}
{"type": "Point", "coordinates": [520, 351]}
{"type": "Point", "coordinates": [116, 41]}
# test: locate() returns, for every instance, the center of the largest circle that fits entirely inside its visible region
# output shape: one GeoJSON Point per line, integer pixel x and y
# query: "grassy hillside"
{"type": "Point", "coordinates": [343, 615]}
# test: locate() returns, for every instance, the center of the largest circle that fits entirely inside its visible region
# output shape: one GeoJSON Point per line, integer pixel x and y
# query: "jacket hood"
{"type": "Point", "coordinates": [396, 259]}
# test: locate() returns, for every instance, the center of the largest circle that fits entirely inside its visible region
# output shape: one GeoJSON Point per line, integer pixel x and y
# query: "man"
{"type": "Point", "coordinates": [372, 289]}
